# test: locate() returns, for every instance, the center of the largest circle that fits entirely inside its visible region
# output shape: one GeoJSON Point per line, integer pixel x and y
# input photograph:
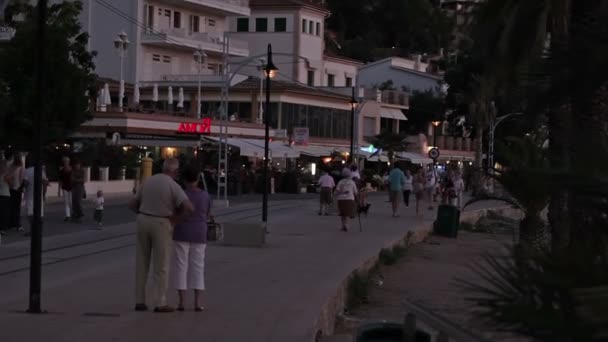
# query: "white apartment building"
{"type": "Point", "coordinates": [163, 36]}
{"type": "Point", "coordinates": [296, 30]}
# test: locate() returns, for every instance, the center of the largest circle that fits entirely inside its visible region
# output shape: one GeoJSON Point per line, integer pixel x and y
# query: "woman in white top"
{"type": "Point", "coordinates": [459, 188]}
{"type": "Point", "coordinates": [5, 196]}
{"type": "Point", "coordinates": [327, 184]}
{"type": "Point", "coordinates": [408, 187]}
{"type": "Point", "coordinates": [16, 172]}
{"type": "Point", "coordinates": [29, 194]}
{"type": "Point", "coordinates": [346, 192]}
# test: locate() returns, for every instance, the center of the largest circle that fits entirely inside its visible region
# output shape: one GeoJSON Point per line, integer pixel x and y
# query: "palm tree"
{"type": "Point", "coordinates": [512, 36]}
{"type": "Point", "coordinates": [525, 179]}
{"type": "Point", "coordinates": [483, 113]}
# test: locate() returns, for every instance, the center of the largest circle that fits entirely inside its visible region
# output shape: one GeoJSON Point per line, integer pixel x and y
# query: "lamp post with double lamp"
{"type": "Point", "coordinates": [121, 43]}
{"type": "Point", "coordinates": [353, 104]}
{"type": "Point", "coordinates": [200, 58]}
{"type": "Point", "coordinates": [270, 70]}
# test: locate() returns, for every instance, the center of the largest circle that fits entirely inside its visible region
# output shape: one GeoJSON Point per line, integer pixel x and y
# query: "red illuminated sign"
{"type": "Point", "coordinates": [195, 128]}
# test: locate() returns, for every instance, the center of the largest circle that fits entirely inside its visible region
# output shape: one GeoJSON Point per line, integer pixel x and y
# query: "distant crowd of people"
{"type": "Point", "coordinates": [350, 191]}
{"type": "Point", "coordinates": [17, 191]}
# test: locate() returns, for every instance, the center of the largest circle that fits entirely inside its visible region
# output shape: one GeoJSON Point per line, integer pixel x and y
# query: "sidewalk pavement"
{"type": "Point", "coordinates": [274, 293]}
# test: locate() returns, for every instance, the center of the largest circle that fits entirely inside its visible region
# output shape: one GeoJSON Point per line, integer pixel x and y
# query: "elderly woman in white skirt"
{"type": "Point", "coordinates": [346, 193]}
{"type": "Point", "coordinates": [190, 242]}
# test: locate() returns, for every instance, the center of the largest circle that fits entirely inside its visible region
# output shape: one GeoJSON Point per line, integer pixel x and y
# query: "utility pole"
{"type": "Point", "coordinates": [36, 238]}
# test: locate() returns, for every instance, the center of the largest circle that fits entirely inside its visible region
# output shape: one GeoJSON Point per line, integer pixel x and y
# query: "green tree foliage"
{"type": "Point", "coordinates": [390, 143]}
{"type": "Point", "coordinates": [372, 29]}
{"type": "Point", "coordinates": [68, 72]}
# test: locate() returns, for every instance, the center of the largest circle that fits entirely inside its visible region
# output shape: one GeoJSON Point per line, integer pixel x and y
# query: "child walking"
{"type": "Point", "coordinates": [99, 208]}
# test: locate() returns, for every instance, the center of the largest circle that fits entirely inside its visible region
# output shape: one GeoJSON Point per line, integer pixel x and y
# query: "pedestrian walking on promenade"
{"type": "Point", "coordinates": [396, 181]}
{"type": "Point", "coordinates": [65, 183]}
{"type": "Point", "coordinates": [459, 187]}
{"type": "Point", "coordinates": [158, 199]}
{"type": "Point", "coordinates": [346, 193]}
{"type": "Point", "coordinates": [78, 191]}
{"type": "Point", "coordinates": [29, 193]}
{"type": "Point", "coordinates": [407, 188]}
{"type": "Point", "coordinates": [430, 185]}
{"type": "Point", "coordinates": [99, 202]}
{"type": "Point", "coordinates": [419, 181]}
{"type": "Point", "coordinates": [190, 242]}
{"type": "Point", "coordinates": [327, 187]}
{"type": "Point", "coordinates": [5, 197]}
{"type": "Point", "coordinates": [17, 178]}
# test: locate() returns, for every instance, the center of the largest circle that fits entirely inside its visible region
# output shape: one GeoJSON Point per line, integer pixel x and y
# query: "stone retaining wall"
{"type": "Point", "coordinates": [334, 306]}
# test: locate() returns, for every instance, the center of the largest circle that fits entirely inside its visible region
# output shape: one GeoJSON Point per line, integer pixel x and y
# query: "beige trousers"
{"type": "Point", "coordinates": [154, 240]}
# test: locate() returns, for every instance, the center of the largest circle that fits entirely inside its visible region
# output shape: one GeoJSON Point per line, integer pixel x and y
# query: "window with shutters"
{"type": "Point", "coordinates": [261, 25]}
{"type": "Point", "coordinates": [177, 19]}
{"type": "Point", "coordinates": [349, 81]}
{"type": "Point", "coordinates": [156, 58]}
{"type": "Point", "coordinates": [195, 23]}
{"type": "Point", "coordinates": [166, 59]}
{"type": "Point", "coordinates": [304, 25]}
{"type": "Point", "coordinates": [331, 80]}
{"type": "Point", "coordinates": [242, 25]}
{"type": "Point", "coordinates": [280, 24]}
{"type": "Point", "coordinates": [311, 78]}
{"type": "Point", "coordinates": [311, 27]}
{"type": "Point", "coordinates": [318, 29]}
{"type": "Point", "coordinates": [211, 22]}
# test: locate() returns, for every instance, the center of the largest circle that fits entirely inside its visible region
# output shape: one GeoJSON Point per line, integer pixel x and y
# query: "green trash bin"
{"type": "Point", "coordinates": [448, 220]}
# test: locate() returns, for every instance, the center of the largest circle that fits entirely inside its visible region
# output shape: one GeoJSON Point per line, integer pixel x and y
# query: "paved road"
{"type": "Point", "coordinates": [272, 294]}
{"type": "Point", "coordinates": [116, 212]}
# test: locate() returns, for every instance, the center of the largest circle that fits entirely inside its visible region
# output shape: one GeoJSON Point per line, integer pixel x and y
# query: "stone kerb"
{"type": "Point", "coordinates": [335, 304]}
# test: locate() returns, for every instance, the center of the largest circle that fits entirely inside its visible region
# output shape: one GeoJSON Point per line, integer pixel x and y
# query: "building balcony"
{"type": "Point", "coordinates": [391, 97]}
{"type": "Point", "coordinates": [182, 39]}
{"type": "Point", "coordinates": [218, 7]}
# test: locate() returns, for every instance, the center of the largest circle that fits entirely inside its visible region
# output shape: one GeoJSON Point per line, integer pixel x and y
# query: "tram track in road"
{"type": "Point", "coordinates": [117, 237]}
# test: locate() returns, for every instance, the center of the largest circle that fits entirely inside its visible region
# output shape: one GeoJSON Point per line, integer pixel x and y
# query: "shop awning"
{"type": "Point", "coordinates": [319, 150]}
{"type": "Point", "coordinates": [392, 113]}
{"type": "Point", "coordinates": [255, 148]}
{"type": "Point", "coordinates": [159, 143]}
{"type": "Point", "coordinates": [247, 149]}
{"type": "Point", "coordinates": [414, 158]}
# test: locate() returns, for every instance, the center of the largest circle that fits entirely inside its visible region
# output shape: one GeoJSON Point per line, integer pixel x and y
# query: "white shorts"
{"type": "Point", "coordinates": [188, 271]}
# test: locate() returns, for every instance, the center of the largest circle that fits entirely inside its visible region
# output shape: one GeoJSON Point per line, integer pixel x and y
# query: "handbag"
{"type": "Point", "coordinates": [214, 230]}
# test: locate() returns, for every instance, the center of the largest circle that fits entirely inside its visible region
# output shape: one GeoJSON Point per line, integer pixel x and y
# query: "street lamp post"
{"type": "Point", "coordinates": [270, 69]}
{"type": "Point", "coordinates": [200, 57]}
{"type": "Point", "coordinates": [353, 104]}
{"type": "Point", "coordinates": [261, 106]}
{"type": "Point", "coordinates": [34, 303]}
{"type": "Point", "coordinates": [435, 125]}
{"type": "Point", "coordinates": [493, 126]}
{"type": "Point", "coordinates": [121, 43]}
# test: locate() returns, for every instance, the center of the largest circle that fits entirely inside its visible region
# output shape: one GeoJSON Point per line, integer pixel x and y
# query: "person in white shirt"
{"type": "Point", "coordinates": [327, 188]}
{"type": "Point", "coordinates": [431, 183]}
{"type": "Point", "coordinates": [99, 201]}
{"type": "Point", "coordinates": [408, 186]}
{"type": "Point", "coordinates": [459, 188]}
{"type": "Point", "coordinates": [29, 194]}
{"type": "Point", "coordinates": [346, 192]}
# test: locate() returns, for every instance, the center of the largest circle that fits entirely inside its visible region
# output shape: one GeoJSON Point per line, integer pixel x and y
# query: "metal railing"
{"type": "Point", "coordinates": [394, 97]}
{"type": "Point", "coordinates": [203, 37]}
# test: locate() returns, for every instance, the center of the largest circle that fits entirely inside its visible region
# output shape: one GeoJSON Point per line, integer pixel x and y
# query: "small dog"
{"type": "Point", "coordinates": [364, 209]}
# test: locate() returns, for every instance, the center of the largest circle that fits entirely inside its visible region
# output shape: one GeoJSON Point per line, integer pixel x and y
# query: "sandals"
{"type": "Point", "coordinates": [196, 308]}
